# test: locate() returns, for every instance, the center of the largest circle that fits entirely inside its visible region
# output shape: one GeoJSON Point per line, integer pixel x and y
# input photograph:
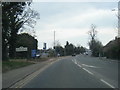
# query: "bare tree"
{"type": "Point", "coordinates": [94, 45]}
{"type": "Point", "coordinates": [92, 33]}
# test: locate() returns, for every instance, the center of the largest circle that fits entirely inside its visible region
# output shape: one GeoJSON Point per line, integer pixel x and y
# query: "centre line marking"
{"type": "Point", "coordinates": [79, 65]}
{"type": "Point", "coordinates": [89, 66]}
{"type": "Point", "coordinates": [75, 62]}
{"type": "Point", "coordinates": [88, 71]}
{"type": "Point", "coordinates": [107, 83]}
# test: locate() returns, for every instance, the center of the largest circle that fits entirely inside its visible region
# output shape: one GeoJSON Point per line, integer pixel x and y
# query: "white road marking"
{"type": "Point", "coordinates": [91, 72]}
{"type": "Point", "coordinates": [89, 66]}
{"type": "Point", "coordinates": [72, 60]}
{"type": "Point", "coordinates": [79, 65]}
{"type": "Point", "coordinates": [107, 83]}
{"type": "Point", "coordinates": [75, 61]}
{"type": "Point", "coordinates": [88, 71]}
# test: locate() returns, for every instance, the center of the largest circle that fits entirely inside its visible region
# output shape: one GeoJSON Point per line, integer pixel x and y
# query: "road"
{"type": "Point", "coordinates": [77, 72]}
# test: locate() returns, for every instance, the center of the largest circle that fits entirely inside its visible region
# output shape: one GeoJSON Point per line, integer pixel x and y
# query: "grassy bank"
{"type": "Point", "coordinates": [18, 63]}
{"type": "Point", "coordinates": [9, 65]}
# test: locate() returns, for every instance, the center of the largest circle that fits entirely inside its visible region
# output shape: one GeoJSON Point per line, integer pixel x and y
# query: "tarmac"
{"type": "Point", "coordinates": [11, 77]}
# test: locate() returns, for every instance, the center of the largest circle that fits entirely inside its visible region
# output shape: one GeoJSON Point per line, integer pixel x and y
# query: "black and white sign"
{"type": "Point", "coordinates": [21, 49]}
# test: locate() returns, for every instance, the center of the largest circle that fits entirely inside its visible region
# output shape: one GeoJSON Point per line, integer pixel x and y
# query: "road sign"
{"type": "Point", "coordinates": [44, 46]}
{"type": "Point", "coordinates": [33, 54]}
{"type": "Point", "coordinates": [20, 49]}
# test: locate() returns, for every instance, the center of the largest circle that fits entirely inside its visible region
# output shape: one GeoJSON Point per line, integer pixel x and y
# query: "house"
{"type": "Point", "coordinates": [112, 49]}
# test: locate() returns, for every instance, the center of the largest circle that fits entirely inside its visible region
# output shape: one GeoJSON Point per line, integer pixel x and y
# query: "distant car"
{"type": "Point", "coordinates": [58, 55]}
{"type": "Point", "coordinates": [74, 54]}
{"type": "Point", "coordinates": [86, 53]}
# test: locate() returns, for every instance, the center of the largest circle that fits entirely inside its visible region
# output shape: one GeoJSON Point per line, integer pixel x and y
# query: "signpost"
{"type": "Point", "coordinates": [44, 46]}
{"type": "Point", "coordinates": [25, 49]}
{"type": "Point", "coordinates": [33, 54]}
{"type": "Point", "coordinates": [22, 52]}
{"type": "Point", "coordinates": [20, 49]}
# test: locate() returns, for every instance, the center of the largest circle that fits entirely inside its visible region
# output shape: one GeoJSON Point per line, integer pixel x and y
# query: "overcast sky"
{"type": "Point", "coordinates": [72, 21]}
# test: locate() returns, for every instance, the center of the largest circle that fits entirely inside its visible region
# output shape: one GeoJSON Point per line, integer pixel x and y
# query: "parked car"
{"type": "Point", "coordinates": [37, 55]}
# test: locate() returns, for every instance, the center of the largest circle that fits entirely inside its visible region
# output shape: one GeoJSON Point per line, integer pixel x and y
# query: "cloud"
{"type": "Point", "coordinates": [72, 23]}
{"type": "Point", "coordinates": [106, 34]}
{"type": "Point", "coordinates": [105, 18]}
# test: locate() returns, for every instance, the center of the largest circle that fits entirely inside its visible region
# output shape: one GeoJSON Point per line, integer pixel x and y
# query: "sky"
{"type": "Point", "coordinates": [71, 22]}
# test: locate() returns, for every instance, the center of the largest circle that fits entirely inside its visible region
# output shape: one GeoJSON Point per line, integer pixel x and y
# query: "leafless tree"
{"type": "Point", "coordinates": [94, 45]}
{"type": "Point", "coordinates": [93, 33]}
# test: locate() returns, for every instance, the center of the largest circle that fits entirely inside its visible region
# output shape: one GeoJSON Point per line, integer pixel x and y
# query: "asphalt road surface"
{"type": "Point", "coordinates": [77, 72]}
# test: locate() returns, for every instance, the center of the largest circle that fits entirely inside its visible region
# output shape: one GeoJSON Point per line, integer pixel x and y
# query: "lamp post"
{"type": "Point", "coordinates": [119, 19]}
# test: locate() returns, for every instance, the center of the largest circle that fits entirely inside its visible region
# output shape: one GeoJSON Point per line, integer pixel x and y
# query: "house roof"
{"type": "Point", "coordinates": [112, 43]}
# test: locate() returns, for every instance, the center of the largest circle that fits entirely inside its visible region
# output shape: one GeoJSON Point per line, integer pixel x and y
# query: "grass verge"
{"type": "Point", "coordinates": [10, 65]}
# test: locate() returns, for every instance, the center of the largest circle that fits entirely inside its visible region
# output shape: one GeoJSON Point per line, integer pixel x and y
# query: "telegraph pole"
{"type": "Point", "coordinates": [54, 38]}
{"type": "Point", "coordinates": [54, 43]}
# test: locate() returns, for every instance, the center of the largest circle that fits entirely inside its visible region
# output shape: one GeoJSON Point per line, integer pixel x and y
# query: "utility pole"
{"type": "Point", "coordinates": [54, 43]}
{"type": "Point", "coordinates": [54, 38]}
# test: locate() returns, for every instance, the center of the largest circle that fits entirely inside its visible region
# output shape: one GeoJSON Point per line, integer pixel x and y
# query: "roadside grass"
{"type": "Point", "coordinates": [18, 63]}
{"type": "Point", "coordinates": [14, 64]}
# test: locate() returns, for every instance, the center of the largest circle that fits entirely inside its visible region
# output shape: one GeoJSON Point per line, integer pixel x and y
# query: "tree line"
{"type": "Point", "coordinates": [68, 49]}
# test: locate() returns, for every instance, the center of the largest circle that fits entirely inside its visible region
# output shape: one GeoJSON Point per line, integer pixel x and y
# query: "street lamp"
{"type": "Point", "coordinates": [118, 19]}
